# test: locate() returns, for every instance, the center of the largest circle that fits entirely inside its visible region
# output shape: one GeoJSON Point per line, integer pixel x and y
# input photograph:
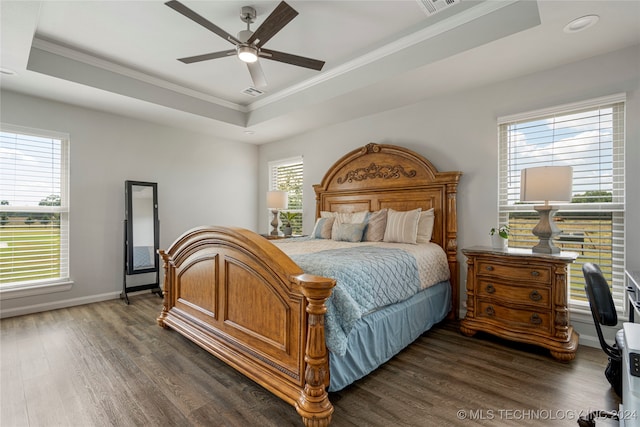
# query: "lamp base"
{"type": "Point", "coordinates": [274, 223]}
{"type": "Point", "coordinates": [546, 230]}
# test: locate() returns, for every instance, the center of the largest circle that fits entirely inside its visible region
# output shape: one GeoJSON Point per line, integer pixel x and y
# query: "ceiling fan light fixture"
{"type": "Point", "coordinates": [247, 53]}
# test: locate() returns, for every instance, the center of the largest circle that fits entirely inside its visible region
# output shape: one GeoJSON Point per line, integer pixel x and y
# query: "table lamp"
{"type": "Point", "coordinates": [545, 184]}
{"type": "Point", "coordinates": [276, 200]}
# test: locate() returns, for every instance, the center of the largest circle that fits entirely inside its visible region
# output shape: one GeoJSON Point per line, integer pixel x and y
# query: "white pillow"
{"type": "Point", "coordinates": [352, 217]}
{"type": "Point", "coordinates": [402, 227]}
{"type": "Point", "coordinates": [425, 226]}
{"type": "Point", "coordinates": [346, 217]}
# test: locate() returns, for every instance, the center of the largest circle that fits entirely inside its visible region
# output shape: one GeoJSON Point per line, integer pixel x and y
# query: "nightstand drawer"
{"type": "Point", "coordinates": [539, 296]}
{"type": "Point", "coordinates": [514, 318]}
{"type": "Point", "coordinates": [538, 274]}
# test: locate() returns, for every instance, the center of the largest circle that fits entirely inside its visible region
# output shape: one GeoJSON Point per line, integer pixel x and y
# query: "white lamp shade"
{"type": "Point", "coordinates": [546, 184]}
{"type": "Point", "coordinates": [277, 199]}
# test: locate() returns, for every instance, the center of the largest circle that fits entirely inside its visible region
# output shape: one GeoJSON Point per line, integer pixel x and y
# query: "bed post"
{"type": "Point", "coordinates": [165, 290]}
{"type": "Point", "coordinates": [451, 245]}
{"type": "Point", "coordinates": [313, 405]}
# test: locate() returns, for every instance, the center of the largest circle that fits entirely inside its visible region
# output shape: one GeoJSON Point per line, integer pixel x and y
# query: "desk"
{"type": "Point", "coordinates": [630, 408]}
{"type": "Point", "coordinates": [633, 292]}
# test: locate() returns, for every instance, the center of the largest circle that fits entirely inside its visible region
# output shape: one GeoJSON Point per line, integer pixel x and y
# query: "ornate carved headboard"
{"type": "Point", "coordinates": [379, 176]}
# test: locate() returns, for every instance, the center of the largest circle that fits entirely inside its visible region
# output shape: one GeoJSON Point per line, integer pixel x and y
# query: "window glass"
{"type": "Point", "coordinates": [34, 228]}
{"type": "Point", "coordinates": [589, 137]}
{"type": "Point", "coordinates": [287, 175]}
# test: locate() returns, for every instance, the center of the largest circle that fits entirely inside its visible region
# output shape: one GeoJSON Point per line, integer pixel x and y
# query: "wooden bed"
{"type": "Point", "coordinates": [242, 299]}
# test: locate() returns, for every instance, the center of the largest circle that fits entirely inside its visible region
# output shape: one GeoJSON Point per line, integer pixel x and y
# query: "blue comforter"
{"type": "Point", "coordinates": [367, 277]}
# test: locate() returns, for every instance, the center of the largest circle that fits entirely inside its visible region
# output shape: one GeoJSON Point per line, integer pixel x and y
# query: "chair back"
{"type": "Point", "coordinates": [599, 294]}
{"type": "Point", "coordinates": [604, 312]}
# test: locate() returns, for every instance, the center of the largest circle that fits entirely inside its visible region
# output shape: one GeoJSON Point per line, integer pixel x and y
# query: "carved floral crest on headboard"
{"type": "Point", "coordinates": [383, 171]}
{"type": "Point", "coordinates": [376, 171]}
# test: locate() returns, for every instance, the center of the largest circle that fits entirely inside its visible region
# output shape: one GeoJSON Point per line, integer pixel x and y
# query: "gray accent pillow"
{"type": "Point", "coordinates": [344, 232]}
{"type": "Point", "coordinates": [322, 229]}
{"type": "Point", "coordinates": [374, 231]}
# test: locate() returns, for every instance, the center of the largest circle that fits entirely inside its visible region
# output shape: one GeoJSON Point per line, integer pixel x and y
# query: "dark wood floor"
{"type": "Point", "coordinates": [108, 364]}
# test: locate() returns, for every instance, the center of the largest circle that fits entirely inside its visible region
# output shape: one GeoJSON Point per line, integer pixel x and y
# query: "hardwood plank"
{"type": "Point", "coordinates": [13, 404]}
{"type": "Point", "coordinates": [109, 364]}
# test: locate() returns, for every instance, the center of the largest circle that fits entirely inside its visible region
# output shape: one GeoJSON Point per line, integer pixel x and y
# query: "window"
{"type": "Point", "coordinates": [34, 208]}
{"type": "Point", "coordinates": [589, 137]}
{"type": "Point", "coordinates": [287, 175]}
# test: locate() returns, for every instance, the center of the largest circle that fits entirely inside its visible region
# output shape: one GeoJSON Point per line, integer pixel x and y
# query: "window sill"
{"type": "Point", "coordinates": [22, 291]}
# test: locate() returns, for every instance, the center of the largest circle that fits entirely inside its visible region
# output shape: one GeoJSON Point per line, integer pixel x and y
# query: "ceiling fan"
{"type": "Point", "coordinates": [249, 44]}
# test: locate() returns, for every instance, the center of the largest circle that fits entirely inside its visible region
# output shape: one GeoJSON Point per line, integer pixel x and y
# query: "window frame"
{"type": "Point", "coordinates": [63, 282]}
{"type": "Point", "coordinates": [616, 207]}
{"type": "Point", "coordinates": [273, 185]}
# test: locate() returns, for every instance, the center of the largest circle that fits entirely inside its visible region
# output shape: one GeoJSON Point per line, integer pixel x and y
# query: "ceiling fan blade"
{"type": "Point", "coordinates": [184, 10]}
{"type": "Point", "coordinates": [257, 75]}
{"type": "Point", "coordinates": [288, 58]}
{"type": "Point", "coordinates": [281, 16]}
{"type": "Point", "coordinates": [207, 56]}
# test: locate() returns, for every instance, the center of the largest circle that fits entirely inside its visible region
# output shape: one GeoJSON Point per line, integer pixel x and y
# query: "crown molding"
{"type": "Point", "coordinates": [431, 31]}
{"type": "Point", "coordinates": [76, 55]}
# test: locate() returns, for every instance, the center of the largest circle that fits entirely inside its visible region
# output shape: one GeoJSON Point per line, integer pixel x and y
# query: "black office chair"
{"type": "Point", "coordinates": [604, 313]}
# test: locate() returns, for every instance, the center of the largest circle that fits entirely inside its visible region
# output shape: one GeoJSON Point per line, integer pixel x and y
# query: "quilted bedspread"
{"type": "Point", "coordinates": [368, 277]}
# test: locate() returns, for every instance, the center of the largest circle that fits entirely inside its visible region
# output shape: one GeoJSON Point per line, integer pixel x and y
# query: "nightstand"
{"type": "Point", "coordinates": [521, 296]}
{"type": "Point", "coordinates": [271, 237]}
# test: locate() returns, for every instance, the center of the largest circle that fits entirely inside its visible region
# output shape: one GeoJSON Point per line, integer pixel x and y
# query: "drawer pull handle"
{"type": "Point", "coordinates": [490, 289]}
{"type": "Point", "coordinates": [489, 267]}
{"type": "Point", "coordinates": [490, 311]}
{"type": "Point", "coordinates": [535, 273]}
{"type": "Point", "coordinates": [535, 296]}
{"type": "Point", "coordinates": [535, 319]}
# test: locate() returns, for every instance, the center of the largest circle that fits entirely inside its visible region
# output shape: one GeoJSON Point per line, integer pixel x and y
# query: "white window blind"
{"type": "Point", "coordinates": [588, 136]}
{"type": "Point", "coordinates": [287, 175]}
{"type": "Point", "coordinates": [34, 209]}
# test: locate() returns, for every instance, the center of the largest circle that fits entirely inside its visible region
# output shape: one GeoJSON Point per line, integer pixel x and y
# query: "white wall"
{"type": "Point", "coordinates": [198, 184]}
{"type": "Point", "coordinates": [459, 132]}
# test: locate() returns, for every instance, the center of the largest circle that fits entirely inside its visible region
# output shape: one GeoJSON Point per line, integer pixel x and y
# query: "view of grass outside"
{"type": "Point", "coordinates": [33, 208]}
{"type": "Point", "coordinates": [29, 248]}
{"type": "Point", "coordinates": [588, 234]}
{"type": "Point", "coordinates": [589, 137]}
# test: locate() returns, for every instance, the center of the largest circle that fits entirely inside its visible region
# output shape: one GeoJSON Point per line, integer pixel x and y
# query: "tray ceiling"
{"type": "Point", "coordinates": [121, 56]}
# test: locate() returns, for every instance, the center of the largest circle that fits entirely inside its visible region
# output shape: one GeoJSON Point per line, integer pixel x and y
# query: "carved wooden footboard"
{"type": "Point", "coordinates": [239, 297]}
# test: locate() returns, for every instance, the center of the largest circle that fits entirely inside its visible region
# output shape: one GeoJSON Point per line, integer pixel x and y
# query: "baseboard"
{"type": "Point", "coordinates": [37, 308]}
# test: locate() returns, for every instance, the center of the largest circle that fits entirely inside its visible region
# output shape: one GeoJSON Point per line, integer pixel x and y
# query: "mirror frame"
{"type": "Point", "coordinates": [129, 216]}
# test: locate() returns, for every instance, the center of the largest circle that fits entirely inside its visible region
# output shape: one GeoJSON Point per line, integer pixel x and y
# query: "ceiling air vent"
{"type": "Point", "coordinates": [431, 7]}
{"type": "Point", "coordinates": [252, 91]}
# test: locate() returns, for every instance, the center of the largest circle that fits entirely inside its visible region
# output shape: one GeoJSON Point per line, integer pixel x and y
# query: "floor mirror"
{"type": "Point", "coordinates": [141, 239]}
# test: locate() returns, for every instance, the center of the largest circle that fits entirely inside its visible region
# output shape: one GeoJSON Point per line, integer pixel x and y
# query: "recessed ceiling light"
{"type": "Point", "coordinates": [581, 23]}
{"type": "Point", "coordinates": [249, 132]}
{"type": "Point", "coordinates": [7, 72]}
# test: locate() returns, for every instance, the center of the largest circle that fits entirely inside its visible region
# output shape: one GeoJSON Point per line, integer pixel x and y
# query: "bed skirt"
{"type": "Point", "coordinates": [379, 336]}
